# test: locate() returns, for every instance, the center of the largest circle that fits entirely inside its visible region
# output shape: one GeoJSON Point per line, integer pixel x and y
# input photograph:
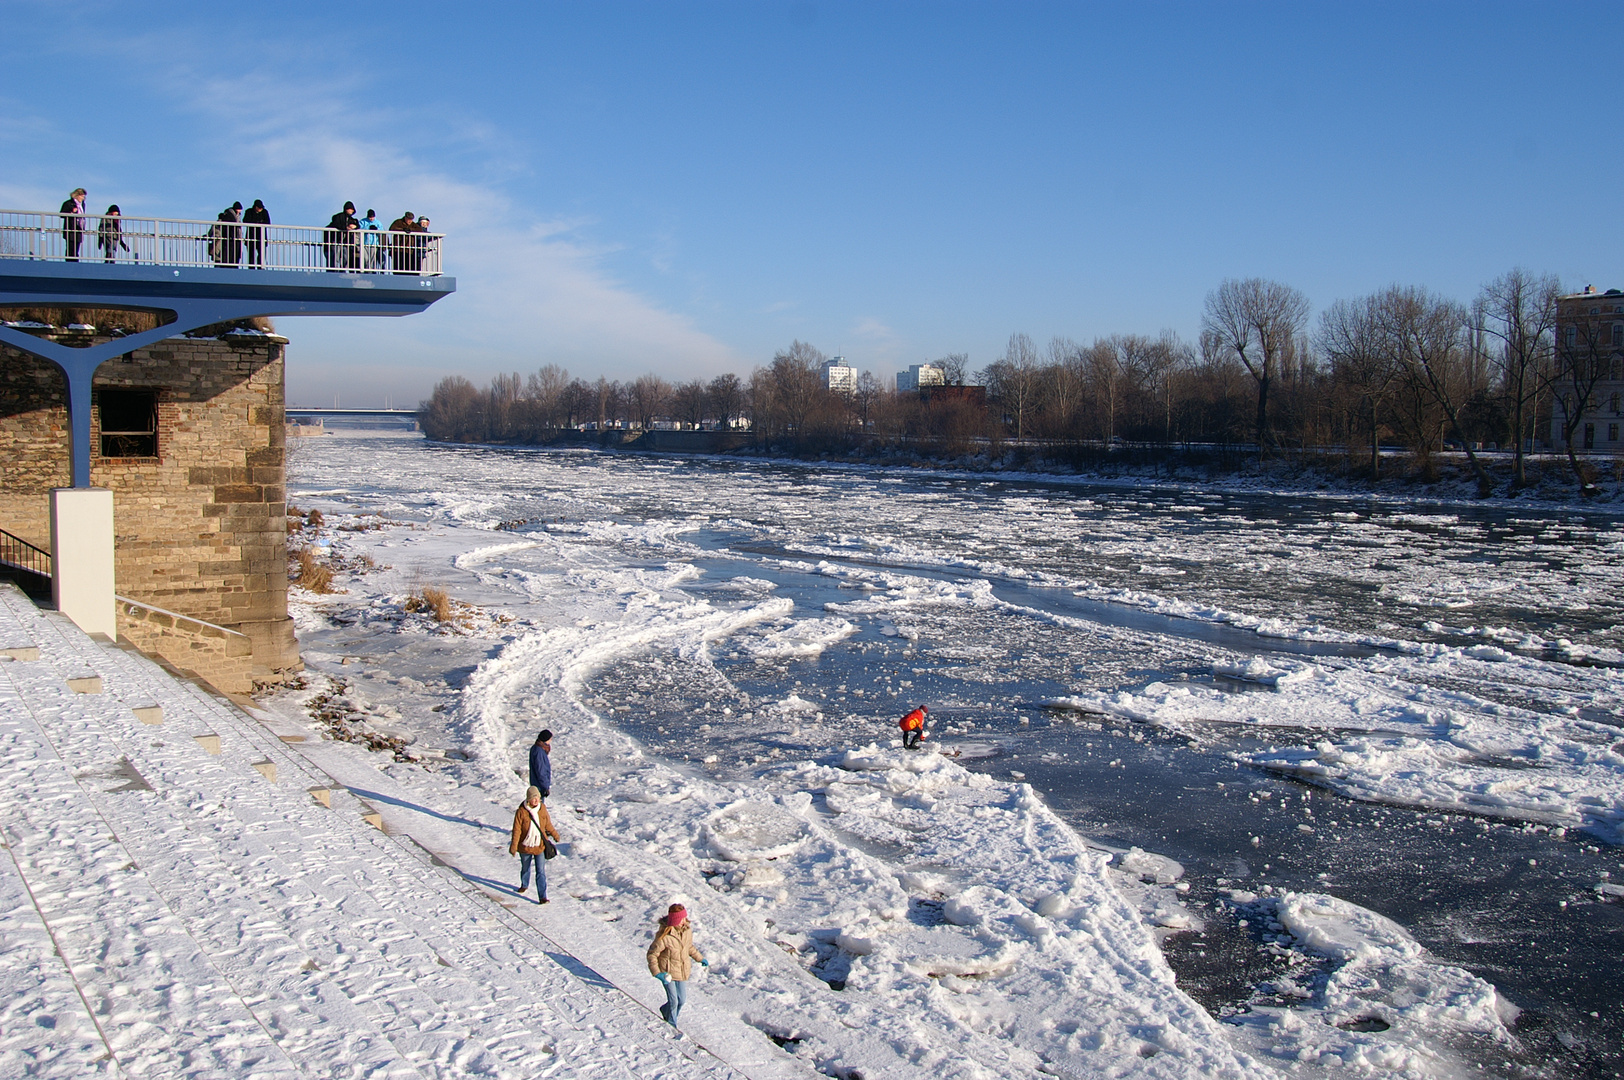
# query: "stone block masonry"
{"type": "Point", "coordinates": [201, 527]}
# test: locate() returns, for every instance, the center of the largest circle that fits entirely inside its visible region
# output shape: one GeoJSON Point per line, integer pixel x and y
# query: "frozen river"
{"type": "Point", "coordinates": [1414, 710]}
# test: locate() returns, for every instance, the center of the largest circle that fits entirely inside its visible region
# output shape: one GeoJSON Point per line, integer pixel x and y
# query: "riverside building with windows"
{"type": "Point", "coordinates": [1588, 397]}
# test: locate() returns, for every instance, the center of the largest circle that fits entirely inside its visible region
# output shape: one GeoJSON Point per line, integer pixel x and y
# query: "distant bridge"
{"type": "Point", "coordinates": [346, 414]}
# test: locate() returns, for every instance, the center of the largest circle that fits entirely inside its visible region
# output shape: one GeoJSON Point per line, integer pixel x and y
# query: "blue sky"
{"type": "Point", "coordinates": [684, 188]}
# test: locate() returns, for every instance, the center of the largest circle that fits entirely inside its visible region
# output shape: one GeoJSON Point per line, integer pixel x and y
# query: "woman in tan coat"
{"type": "Point", "coordinates": [668, 959]}
{"type": "Point", "coordinates": [531, 830]}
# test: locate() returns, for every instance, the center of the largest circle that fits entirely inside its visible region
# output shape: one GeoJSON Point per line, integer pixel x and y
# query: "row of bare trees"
{"type": "Point", "coordinates": [1400, 365]}
{"type": "Point", "coordinates": [518, 410]}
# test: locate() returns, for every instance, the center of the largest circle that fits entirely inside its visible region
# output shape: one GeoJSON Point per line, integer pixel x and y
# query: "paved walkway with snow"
{"type": "Point", "coordinates": [193, 897]}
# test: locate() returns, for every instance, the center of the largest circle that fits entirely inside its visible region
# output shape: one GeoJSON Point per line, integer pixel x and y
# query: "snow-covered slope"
{"type": "Point", "coordinates": [177, 902]}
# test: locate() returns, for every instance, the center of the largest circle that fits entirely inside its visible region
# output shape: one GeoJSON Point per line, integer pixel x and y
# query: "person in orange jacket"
{"type": "Point", "coordinates": [913, 728]}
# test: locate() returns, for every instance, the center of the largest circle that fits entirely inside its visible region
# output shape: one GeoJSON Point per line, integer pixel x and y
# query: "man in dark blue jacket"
{"type": "Point", "coordinates": [541, 763]}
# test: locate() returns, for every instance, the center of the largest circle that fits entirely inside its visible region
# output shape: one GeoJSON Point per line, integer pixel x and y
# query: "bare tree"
{"type": "Point", "coordinates": [1107, 378]}
{"type": "Point", "coordinates": [1065, 386]}
{"type": "Point", "coordinates": [1352, 337]}
{"type": "Point", "coordinates": [1427, 335]}
{"type": "Point", "coordinates": [688, 401]}
{"type": "Point", "coordinates": [647, 399]}
{"type": "Point", "coordinates": [1013, 380]}
{"type": "Point", "coordinates": [504, 395]}
{"type": "Point", "coordinates": [797, 385]}
{"type": "Point", "coordinates": [608, 400]}
{"type": "Point", "coordinates": [955, 368]}
{"type": "Point", "coordinates": [1165, 362]}
{"type": "Point", "coordinates": [454, 412]}
{"type": "Point", "coordinates": [545, 389]}
{"type": "Point", "coordinates": [1518, 310]}
{"type": "Point", "coordinates": [726, 395]}
{"type": "Point", "coordinates": [865, 398]}
{"type": "Point", "coordinates": [578, 402]}
{"type": "Point", "coordinates": [1256, 320]}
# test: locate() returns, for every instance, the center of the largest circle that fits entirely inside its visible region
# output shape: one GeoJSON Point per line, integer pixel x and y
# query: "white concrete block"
{"type": "Point", "coordinates": [82, 558]}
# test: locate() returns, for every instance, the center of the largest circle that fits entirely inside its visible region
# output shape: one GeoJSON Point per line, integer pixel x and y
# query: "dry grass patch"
{"type": "Point", "coordinates": [432, 600]}
{"type": "Point", "coordinates": [313, 574]}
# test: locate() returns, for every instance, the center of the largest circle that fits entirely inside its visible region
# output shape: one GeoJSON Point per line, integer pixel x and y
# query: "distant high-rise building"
{"type": "Point", "coordinates": [839, 376]}
{"type": "Point", "coordinates": [919, 376]}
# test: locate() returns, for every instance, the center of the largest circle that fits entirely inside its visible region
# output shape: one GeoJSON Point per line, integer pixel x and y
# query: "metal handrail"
{"type": "Point", "coordinates": [19, 553]}
{"type": "Point", "coordinates": [144, 606]}
{"type": "Point", "coordinates": [93, 238]}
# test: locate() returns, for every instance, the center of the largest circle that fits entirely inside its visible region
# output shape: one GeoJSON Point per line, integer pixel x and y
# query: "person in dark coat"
{"type": "Point", "coordinates": [253, 237]}
{"type": "Point", "coordinates": [541, 763]}
{"type": "Point", "coordinates": [110, 234]}
{"type": "Point", "coordinates": [531, 830]}
{"type": "Point", "coordinates": [669, 960]}
{"type": "Point", "coordinates": [227, 246]}
{"type": "Point", "coordinates": [73, 223]}
{"type": "Point", "coordinates": [339, 240]}
{"type": "Point", "coordinates": [403, 245]}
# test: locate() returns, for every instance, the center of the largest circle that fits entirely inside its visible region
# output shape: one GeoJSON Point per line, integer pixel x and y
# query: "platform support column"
{"type": "Point", "coordinates": [78, 378]}
{"type": "Point", "coordinates": [82, 558]}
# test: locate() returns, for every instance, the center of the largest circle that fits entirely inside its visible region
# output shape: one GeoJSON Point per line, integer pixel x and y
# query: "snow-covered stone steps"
{"type": "Point", "coordinates": [46, 1027]}
{"type": "Point", "coordinates": [343, 945]}
{"type": "Point", "coordinates": [131, 957]}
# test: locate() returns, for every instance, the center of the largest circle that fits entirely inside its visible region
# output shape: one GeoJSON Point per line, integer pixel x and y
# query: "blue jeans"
{"type": "Point", "coordinates": [540, 863]}
{"type": "Point", "coordinates": [676, 993]}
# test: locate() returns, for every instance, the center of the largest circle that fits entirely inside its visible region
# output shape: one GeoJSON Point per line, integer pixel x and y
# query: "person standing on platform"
{"type": "Point", "coordinates": [254, 236]}
{"type": "Point", "coordinates": [371, 242]}
{"type": "Point", "coordinates": [110, 234]}
{"type": "Point", "coordinates": [401, 241]}
{"type": "Point", "coordinates": [541, 763]}
{"type": "Point", "coordinates": [73, 222]}
{"type": "Point", "coordinates": [338, 239]}
{"type": "Point", "coordinates": [228, 237]}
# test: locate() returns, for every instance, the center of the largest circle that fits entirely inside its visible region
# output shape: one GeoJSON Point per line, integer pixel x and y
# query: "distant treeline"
{"type": "Point", "coordinates": [1402, 366]}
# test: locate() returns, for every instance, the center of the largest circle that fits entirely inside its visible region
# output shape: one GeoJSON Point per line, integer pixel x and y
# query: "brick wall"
{"type": "Point", "coordinates": [200, 529]}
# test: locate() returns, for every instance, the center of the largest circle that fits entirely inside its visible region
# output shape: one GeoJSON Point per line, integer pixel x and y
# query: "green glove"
{"type": "Point", "coordinates": [663, 977]}
{"type": "Point", "coordinates": [706, 963]}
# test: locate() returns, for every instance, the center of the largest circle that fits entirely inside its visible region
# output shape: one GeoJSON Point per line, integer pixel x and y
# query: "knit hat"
{"type": "Point", "coordinates": [546, 735]}
{"type": "Point", "coordinates": [529, 791]}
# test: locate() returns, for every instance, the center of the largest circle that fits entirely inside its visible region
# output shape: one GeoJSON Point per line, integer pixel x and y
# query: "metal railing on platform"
{"type": "Point", "coordinates": [21, 555]}
{"type": "Point", "coordinates": [91, 238]}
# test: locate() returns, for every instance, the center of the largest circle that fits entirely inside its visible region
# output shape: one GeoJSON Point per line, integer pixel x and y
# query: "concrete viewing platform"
{"type": "Point", "coordinates": [175, 436]}
{"type": "Point", "coordinates": [200, 273]}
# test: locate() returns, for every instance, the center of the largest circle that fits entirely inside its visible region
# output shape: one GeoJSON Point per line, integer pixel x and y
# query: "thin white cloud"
{"type": "Point", "coordinates": [527, 288]}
